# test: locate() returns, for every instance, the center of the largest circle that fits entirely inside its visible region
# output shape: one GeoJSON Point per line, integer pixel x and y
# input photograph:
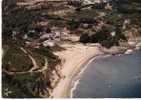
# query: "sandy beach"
{"type": "Point", "coordinates": [73, 58]}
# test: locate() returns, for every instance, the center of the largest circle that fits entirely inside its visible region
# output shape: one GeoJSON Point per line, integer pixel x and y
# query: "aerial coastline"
{"type": "Point", "coordinates": [74, 59]}
{"type": "Point", "coordinates": [48, 44]}
{"type": "Point", "coordinates": [72, 67]}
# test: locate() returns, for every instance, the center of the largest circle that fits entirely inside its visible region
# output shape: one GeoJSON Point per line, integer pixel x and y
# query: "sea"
{"type": "Point", "coordinates": [108, 76]}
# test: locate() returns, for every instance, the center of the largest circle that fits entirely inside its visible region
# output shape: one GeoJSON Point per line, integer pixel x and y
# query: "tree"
{"type": "Point", "coordinates": [84, 38]}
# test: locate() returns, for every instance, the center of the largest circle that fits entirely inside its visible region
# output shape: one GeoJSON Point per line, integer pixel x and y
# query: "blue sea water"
{"type": "Point", "coordinates": [111, 77]}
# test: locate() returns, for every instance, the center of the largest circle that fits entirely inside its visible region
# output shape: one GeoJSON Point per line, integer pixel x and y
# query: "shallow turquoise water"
{"type": "Point", "coordinates": [111, 77]}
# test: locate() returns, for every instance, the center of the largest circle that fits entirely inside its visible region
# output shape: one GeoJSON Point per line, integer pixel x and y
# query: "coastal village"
{"type": "Point", "coordinates": [45, 42]}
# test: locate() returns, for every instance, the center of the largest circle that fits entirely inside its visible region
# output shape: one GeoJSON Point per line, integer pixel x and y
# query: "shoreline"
{"type": "Point", "coordinates": [75, 74]}
{"type": "Point", "coordinates": [76, 80]}
{"type": "Point", "coordinates": [64, 87]}
{"type": "Point", "coordinates": [76, 77]}
{"type": "Point", "coordinates": [72, 66]}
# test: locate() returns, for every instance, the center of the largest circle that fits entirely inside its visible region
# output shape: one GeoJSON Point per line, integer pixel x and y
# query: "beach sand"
{"type": "Point", "coordinates": [73, 58]}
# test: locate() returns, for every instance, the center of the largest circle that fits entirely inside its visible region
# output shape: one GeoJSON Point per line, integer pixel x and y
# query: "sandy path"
{"type": "Point", "coordinates": [75, 56]}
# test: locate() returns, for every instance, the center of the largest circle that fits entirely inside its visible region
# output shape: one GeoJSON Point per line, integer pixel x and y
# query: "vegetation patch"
{"type": "Point", "coordinates": [16, 60]}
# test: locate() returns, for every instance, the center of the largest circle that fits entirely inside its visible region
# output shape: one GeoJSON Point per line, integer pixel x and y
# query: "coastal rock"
{"type": "Point", "coordinates": [114, 50]}
{"type": "Point", "coordinates": [129, 51]}
{"type": "Point", "coordinates": [138, 44]}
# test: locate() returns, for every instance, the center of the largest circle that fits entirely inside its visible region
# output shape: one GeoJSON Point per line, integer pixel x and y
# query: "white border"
{"type": "Point", "coordinates": [35, 99]}
{"type": "Point", "coordinates": [1, 47]}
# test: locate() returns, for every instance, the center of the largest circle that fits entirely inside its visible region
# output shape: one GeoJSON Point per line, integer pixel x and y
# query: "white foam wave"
{"type": "Point", "coordinates": [77, 81]}
{"type": "Point", "coordinates": [83, 69]}
{"type": "Point", "coordinates": [74, 87]}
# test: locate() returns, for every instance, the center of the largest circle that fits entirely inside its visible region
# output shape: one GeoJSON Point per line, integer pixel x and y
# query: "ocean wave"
{"type": "Point", "coordinates": [74, 87]}
{"type": "Point", "coordinates": [76, 80]}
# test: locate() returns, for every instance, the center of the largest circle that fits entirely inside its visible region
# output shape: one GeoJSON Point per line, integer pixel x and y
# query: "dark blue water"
{"type": "Point", "coordinates": [111, 77]}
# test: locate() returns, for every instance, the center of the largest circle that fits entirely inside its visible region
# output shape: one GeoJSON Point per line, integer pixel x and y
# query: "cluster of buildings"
{"type": "Point", "coordinates": [49, 38]}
